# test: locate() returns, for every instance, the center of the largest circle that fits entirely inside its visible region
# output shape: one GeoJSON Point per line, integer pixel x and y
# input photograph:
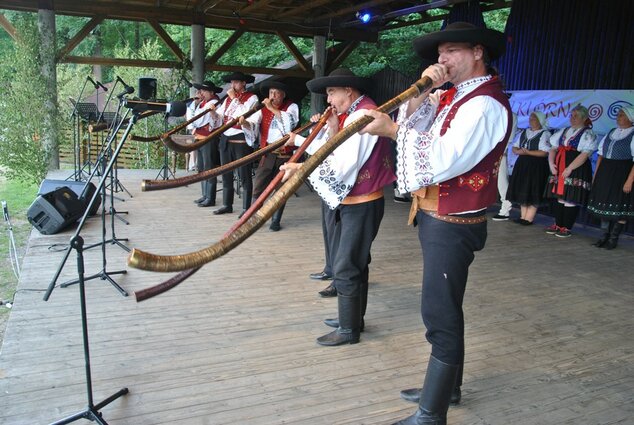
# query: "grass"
{"type": "Point", "coordinates": [18, 197]}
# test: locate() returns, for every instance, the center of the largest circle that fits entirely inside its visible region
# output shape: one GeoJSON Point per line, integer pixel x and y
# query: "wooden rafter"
{"type": "Point", "coordinates": [80, 36]}
{"type": "Point", "coordinates": [254, 6]}
{"type": "Point", "coordinates": [167, 39]}
{"type": "Point", "coordinates": [10, 29]}
{"type": "Point", "coordinates": [294, 51]}
{"type": "Point", "coordinates": [226, 46]}
{"type": "Point", "coordinates": [348, 48]}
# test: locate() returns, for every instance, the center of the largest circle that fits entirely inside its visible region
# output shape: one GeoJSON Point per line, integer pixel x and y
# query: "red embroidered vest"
{"type": "Point", "coordinates": [242, 98]}
{"type": "Point", "coordinates": [378, 170]}
{"type": "Point", "coordinates": [477, 188]}
{"type": "Point", "coordinates": [267, 119]}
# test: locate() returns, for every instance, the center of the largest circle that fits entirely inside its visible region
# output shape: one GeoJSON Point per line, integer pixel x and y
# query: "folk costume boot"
{"type": "Point", "coordinates": [413, 394]}
{"type": "Point", "coordinates": [334, 323]}
{"type": "Point", "coordinates": [349, 323]}
{"type": "Point", "coordinates": [614, 235]}
{"type": "Point", "coordinates": [440, 381]}
{"type": "Point", "coordinates": [276, 219]}
{"type": "Point", "coordinates": [607, 227]}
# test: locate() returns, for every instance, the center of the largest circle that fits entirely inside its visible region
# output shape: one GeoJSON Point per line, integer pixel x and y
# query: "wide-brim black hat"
{"type": "Point", "coordinates": [272, 84]}
{"type": "Point", "coordinates": [426, 46]}
{"type": "Point", "coordinates": [207, 85]}
{"type": "Point", "coordinates": [238, 76]}
{"type": "Point", "coordinates": [340, 77]}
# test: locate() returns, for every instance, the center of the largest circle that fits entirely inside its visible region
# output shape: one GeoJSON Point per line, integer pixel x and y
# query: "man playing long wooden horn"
{"type": "Point", "coordinates": [233, 144]}
{"type": "Point", "coordinates": [351, 182]}
{"type": "Point", "coordinates": [208, 155]}
{"type": "Point", "coordinates": [449, 148]}
{"type": "Point", "coordinates": [279, 116]}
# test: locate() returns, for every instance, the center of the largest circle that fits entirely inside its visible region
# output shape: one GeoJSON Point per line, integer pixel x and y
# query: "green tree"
{"type": "Point", "coordinates": [22, 156]}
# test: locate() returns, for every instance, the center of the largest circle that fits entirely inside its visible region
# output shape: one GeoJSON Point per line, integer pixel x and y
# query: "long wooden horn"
{"type": "Point", "coordinates": [176, 129]}
{"type": "Point", "coordinates": [150, 185]}
{"type": "Point", "coordinates": [175, 146]}
{"type": "Point", "coordinates": [155, 290]}
{"type": "Point", "coordinates": [170, 263]}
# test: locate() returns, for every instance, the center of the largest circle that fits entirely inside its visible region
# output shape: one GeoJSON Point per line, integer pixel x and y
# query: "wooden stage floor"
{"type": "Point", "coordinates": [549, 325]}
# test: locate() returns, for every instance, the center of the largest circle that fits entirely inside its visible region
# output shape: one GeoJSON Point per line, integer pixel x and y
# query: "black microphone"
{"type": "Point", "coordinates": [174, 109]}
{"type": "Point", "coordinates": [128, 89]}
{"type": "Point", "coordinates": [92, 81]}
{"type": "Point", "coordinates": [102, 86]}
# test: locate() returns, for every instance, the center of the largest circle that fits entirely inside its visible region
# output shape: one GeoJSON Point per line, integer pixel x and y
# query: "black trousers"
{"type": "Point", "coordinates": [356, 226]}
{"type": "Point", "coordinates": [229, 152]}
{"type": "Point", "coordinates": [448, 251]}
{"type": "Point", "coordinates": [328, 217]}
{"type": "Point", "coordinates": [208, 158]}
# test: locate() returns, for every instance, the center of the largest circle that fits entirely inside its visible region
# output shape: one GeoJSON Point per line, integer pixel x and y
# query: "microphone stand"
{"type": "Point", "coordinates": [92, 410]}
{"type": "Point", "coordinates": [165, 172]}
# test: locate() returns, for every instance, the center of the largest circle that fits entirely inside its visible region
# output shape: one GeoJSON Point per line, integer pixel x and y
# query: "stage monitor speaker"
{"type": "Point", "coordinates": [56, 210]}
{"type": "Point", "coordinates": [50, 185]}
{"type": "Point", "coordinates": [147, 88]}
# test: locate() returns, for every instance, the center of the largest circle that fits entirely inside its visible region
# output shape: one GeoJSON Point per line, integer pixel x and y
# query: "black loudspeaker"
{"type": "Point", "coordinates": [56, 210]}
{"type": "Point", "coordinates": [147, 88]}
{"type": "Point", "coordinates": [49, 185]}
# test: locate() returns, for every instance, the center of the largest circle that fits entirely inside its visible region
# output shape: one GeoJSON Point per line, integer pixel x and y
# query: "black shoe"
{"type": "Point", "coordinates": [207, 203]}
{"type": "Point", "coordinates": [199, 200]}
{"type": "Point", "coordinates": [328, 292]}
{"type": "Point", "coordinates": [223, 210]}
{"type": "Point", "coordinates": [500, 217]}
{"type": "Point", "coordinates": [275, 227]}
{"type": "Point", "coordinates": [413, 395]}
{"type": "Point", "coordinates": [320, 276]}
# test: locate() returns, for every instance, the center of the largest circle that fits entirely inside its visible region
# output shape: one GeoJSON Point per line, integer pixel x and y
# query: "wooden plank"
{"type": "Point", "coordinates": [79, 37]}
{"type": "Point", "coordinates": [547, 335]}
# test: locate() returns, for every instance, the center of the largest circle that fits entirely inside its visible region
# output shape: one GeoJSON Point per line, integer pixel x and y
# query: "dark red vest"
{"type": "Point", "coordinates": [378, 170]}
{"type": "Point", "coordinates": [477, 188]}
{"type": "Point", "coordinates": [267, 119]}
{"type": "Point", "coordinates": [242, 98]}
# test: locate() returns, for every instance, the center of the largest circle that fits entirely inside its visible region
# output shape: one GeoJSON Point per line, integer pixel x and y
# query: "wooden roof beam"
{"type": "Point", "coordinates": [301, 61]}
{"type": "Point", "coordinates": [345, 52]}
{"type": "Point", "coordinates": [226, 46]}
{"type": "Point", "coordinates": [8, 27]}
{"type": "Point", "coordinates": [80, 36]}
{"type": "Point", "coordinates": [167, 39]}
{"type": "Point", "coordinates": [355, 8]}
{"type": "Point", "coordinates": [303, 8]}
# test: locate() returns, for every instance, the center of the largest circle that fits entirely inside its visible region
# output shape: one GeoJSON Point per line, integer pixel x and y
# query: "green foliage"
{"type": "Point", "coordinates": [22, 117]}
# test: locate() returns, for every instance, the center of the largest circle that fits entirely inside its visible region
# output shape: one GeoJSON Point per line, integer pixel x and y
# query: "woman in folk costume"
{"type": "Point", "coordinates": [530, 172]}
{"type": "Point", "coordinates": [571, 179]}
{"type": "Point", "coordinates": [611, 198]}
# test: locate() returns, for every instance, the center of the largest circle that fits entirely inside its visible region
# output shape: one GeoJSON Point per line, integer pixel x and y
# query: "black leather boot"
{"type": "Point", "coordinates": [363, 297]}
{"type": "Point", "coordinates": [440, 381]}
{"type": "Point", "coordinates": [276, 219]}
{"type": "Point", "coordinates": [348, 330]}
{"type": "Point", "coordinates": [614, 235]}
{"type": "Point", "coordinates": [607, 226]}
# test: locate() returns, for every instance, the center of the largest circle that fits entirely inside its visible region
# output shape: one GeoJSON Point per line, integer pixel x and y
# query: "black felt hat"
{"type": "Point", "coordinates": [207, 85]}
{"type": "Point", "coordinates": [272, 84]}
{"type": "Point", "coordinates": [340, 77]}
{"type": "Point", "coordinates": [238, 76]}
{"type": "Point", "coordinates": [426, 46]}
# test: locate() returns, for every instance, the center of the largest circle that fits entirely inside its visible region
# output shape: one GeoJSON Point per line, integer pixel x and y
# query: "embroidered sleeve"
{"type": "Point", "coordinates": [425, 157]}
{"type": "Point", "coordinates": [421, 118]}
{"type": "Point", "coordinates": [588, 142]}
{"type": "Point", "coordinates": [288, 119]}
{"type": "Point", "coordinates": [251, 128]}
{"type": "Point", "coordinates": [334, 178]}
